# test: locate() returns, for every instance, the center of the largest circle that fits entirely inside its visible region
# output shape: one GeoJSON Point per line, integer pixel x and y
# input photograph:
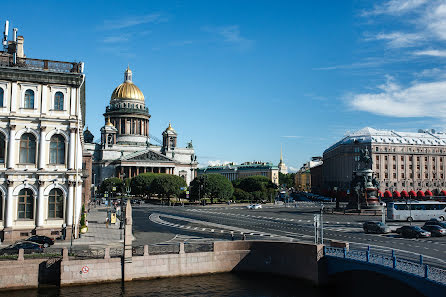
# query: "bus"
{"type": "Point", "coordinates": [414, 210]}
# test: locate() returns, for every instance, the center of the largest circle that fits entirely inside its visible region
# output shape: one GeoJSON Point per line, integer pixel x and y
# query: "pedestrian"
{"type": "Point", "coordinates": [106, 222]}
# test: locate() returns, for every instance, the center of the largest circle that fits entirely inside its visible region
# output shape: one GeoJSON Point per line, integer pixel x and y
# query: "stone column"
{"type": "Point", "coordinates": [137, 170]}
{"type": "Point", "coordinates": [9, 205]}
{"type": "Point", "coordinates": [11, 147]}
{"type": "Point", "coordinates": [42, 147]}
{"type": "Point", "coordinates": [40, 208]}
{"type": "Point", "coordinates": [69, 208]}
{"type": "Point", "coordinates": [72, 146]}
{"type": "Point", "coordinates": [128, 241]}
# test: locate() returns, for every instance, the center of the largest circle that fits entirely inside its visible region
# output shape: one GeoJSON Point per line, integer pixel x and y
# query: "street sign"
{"type": "Point", "coordinates": [183, 188]}
{"type": "Point", "coordinates": [85, 269]}
{"type": "Point", "coordinates": [105, 195]}
{"type": "Point", "coordinates": [187, 192]}
{"type": "Point", "coordinates": [114, 189]}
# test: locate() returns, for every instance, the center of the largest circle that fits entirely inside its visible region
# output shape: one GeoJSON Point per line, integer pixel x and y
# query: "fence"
{"type": "Point", "coordinates": [419, 269]}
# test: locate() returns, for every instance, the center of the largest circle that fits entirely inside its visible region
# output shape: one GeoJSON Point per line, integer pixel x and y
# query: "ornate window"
{"type": "Point", "coordinates": [57, 149]}
{"type": "Point", "coordinates": [26, 204]}
{"type": "Point", "coordinates": [2, 148]}
{"type": "Point", "coordinates": [29, 99]}
{"type": "Point", "coordinates": [2, 95]}
{"type": "Point", "coordinates": [58, 101]}
{"type": "Point", "coordinates": [55, 204]}
{"type": "Point", "coordinates": [27, 148]}
{"type": "Point", "coordinates": [1, 207]}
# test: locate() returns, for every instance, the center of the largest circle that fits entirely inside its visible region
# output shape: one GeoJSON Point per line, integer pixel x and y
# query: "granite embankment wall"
{"type": "Point", "coordinates": [291, 259]}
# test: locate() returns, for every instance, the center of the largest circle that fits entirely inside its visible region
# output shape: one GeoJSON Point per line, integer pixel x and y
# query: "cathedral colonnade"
{"type": "Point", "coordinates": [132, 171]}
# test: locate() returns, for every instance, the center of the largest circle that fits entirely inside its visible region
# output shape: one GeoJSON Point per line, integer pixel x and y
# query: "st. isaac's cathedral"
{"type": "Point", "coordinates": [126, 147]}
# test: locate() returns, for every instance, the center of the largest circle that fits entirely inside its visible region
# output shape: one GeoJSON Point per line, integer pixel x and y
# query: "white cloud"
{"type": "Point", "coordinates": [231, 35]}
{"type": "Point", "coordinates": [421, 99]}
{"type": "Point", "coordinates": [396, 7]}
{"type": "Point", "coordinates": [399, 39]}
{"type": "Point", "coordinates": [133, 21]}
{"type": "Point", "coordinates": [116, 39]}
{"type": "Point", "coordinates": [433, 53]}
{"type": "Point", "coordinates": [217, 163]}
{"type": "Point", "coordinates": [435, 20]}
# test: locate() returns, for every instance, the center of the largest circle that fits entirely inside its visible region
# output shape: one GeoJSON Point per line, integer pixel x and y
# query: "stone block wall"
{"type": "Point", "coordinates": [97, 271]}
{"type": "Point", "coordinates": [19, 274]}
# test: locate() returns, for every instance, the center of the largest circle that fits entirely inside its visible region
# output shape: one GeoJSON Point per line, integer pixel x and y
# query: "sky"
{"type": "Point", "coordinates": [243, 78]}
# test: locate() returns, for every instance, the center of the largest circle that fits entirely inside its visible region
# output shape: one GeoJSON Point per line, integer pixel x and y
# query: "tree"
{"type": "Point", "coordinates": [259, 187]}
{"type": "Point", "coordinates": [240, 195]}
{"type": "Point", "coordinates": [167, 185]}
{"type": "Point", "coordinates": [108, 184]}
{"type": "Point", "coordinates": [142, 184]}
{"type": "Point", "coordinates": [214, 186]}
{"type": "Point", "coordinates": [287, 179]}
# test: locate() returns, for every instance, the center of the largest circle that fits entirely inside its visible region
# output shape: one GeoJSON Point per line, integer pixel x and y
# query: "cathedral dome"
{"type": "Point", "coordinates": [127, 90]}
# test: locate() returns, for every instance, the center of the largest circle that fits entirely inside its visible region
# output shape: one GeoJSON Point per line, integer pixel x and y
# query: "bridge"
{"type": "Point", "coordinates": [426, 279]}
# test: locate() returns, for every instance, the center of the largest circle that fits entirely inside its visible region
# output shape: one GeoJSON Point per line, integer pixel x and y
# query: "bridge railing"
{"type": "Point", "coordinates": [419, 269]}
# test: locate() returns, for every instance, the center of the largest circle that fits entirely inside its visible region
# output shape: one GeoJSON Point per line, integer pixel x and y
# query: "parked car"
{"type": "Point", "coordinates": [436, 222]}
{"type": "Point", "coordinates": [28, 247]}
{"type": "Point", "coordinates": [40, 239]}
{"type": "Point", "coordinates": [435, 230]}
{"type": "Point", "coordinates": [254, 206]}
{"type": "Point", "coordinates": [412, 231]}
{"type": "Point", "coordinates": [375, 227]}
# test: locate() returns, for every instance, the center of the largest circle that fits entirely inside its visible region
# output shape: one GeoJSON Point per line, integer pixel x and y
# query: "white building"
{"type": "Point", "coordinates": [41, 103]}
{"type": "Point", "coordinates": [125, 149]}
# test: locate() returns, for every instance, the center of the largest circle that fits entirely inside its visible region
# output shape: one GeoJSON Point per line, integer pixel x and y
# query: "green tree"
{"type": "Point", "coordinates": [241, 195]}
{"type": "Point", "coordinates": [142, 184]}
{"type": "Point", "coordinates": [259, 187]}
{"type": "Point", "coordinates": [108, 184]}
{"type": "Point", "coordinates": [214, 186]}
{"type": "Point", "coordinates": [287, 179]}
{"type": "Point", "coordinates": [167, 185]}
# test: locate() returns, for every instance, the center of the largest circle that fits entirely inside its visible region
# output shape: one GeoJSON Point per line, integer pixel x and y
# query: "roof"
{"type": "Point", "coordinates": [243, 166]}
{"type": "Point", "coordinates": [371, 135]}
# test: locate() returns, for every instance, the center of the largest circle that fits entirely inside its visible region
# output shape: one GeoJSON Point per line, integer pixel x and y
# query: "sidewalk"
{"type": "Point", "coordinates": [98, 234]}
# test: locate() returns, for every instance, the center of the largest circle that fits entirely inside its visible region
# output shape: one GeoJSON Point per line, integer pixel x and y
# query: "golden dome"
{"type": "Point", "coordinates": [109, 124]}
{"type": "Point", "coordinates": [127, 90]}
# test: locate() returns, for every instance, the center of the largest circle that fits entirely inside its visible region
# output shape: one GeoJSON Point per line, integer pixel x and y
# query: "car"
{"type": "Point", "coordinates": [435, 222]}
{"type": "Point", "coordinates": [375, 227]}
{"type": "Point", "coordinates": [412, 232]}
{"type": "Point", "coordinates": [435, 230]}
{"type": "Point", "coordinates": [28, 247]}
{"type": "Point", "coordinates": [254, 206]}
{"type": "Point", "coordinates": [40, 239]}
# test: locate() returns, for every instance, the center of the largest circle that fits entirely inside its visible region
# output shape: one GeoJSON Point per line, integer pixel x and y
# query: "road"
{"type": "Point", "coordinates": [156, 224]}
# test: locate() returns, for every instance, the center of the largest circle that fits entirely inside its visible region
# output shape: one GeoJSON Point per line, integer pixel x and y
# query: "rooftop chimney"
{"type": "Point", "coordinates": [20, 51]}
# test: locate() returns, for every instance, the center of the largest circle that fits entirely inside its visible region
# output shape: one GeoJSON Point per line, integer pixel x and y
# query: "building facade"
{"type": "Point", "coordinates": [125, 149]}
{"type": "Point", "coordinates": [41, 108]}
{"type": "Point", "coordinates": [233, 171]}
{"type": "Point", "coordinates": [303, 177]}
{"type": "Point", "coordinates": [401, 161]}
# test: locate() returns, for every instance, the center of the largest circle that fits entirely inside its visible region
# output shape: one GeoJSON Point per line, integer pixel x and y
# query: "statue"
{"type": "Point", "coordinates": [365, 158]}
{"type": "Point", "coordinates": [189, 145]}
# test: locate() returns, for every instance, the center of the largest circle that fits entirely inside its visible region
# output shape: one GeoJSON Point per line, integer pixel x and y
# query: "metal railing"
{"type": "Point", "coordinates": [418, 268]}
{"type": "Point", "coordinates": [39, 64]}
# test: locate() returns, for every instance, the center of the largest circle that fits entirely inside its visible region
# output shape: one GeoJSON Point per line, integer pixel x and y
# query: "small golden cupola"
{"type": "Point", "coordinates": [127, 90]}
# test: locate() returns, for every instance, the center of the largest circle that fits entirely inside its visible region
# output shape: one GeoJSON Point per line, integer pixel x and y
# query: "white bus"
{"type": "Point", "coordinates": [416, 210]}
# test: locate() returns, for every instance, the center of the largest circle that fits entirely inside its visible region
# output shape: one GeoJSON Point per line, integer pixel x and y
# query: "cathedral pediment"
{"type": "Point", "coordinates": [146, 155]}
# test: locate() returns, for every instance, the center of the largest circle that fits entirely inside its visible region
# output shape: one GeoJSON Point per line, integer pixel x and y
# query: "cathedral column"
{"type": "Point", "coordinates": [40, 208]}
{"type": "Point", "coordinates": [11, 147]}
{"type": "Point", "coordinates": [72, 152]}
{"type": "Point", "coordinates": [42, 152]}
{"type": "Point", "coordinates": [137, 170]}
{"type": "Point", "coordinates": [69, 208]}
{"type": "Point", "coordinates": [119, 125]}
{"type": "Point", "coordinates": [9, 205]}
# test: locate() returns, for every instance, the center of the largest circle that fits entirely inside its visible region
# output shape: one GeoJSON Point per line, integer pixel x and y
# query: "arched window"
{"type": "Point", "coordinates": [57, 149]}
{"type": "Point", "coordinates": [29, 99]}
{"type": "Point", "coordinates": [27, 148]}
{"type": "Point", "coordinates": [26, 204]}
{"type": "Point", "coordinates": [1, 207]}
{"type": "Point", "coordinates": [2, 148]}
{"type": "Point", "coordinates": [58, 101]}
{"type": "Point", "coordinates": [55, 204]}
{"type": "Point", "coordinates": [2, 94]}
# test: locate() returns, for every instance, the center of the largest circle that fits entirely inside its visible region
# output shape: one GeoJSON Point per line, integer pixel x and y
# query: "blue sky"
{"type": "Point", "coordinates": [240, 78]}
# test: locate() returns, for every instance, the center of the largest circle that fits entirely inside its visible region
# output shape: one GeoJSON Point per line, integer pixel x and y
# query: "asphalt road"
{"type": "Point", "coordinates": [163, 224]}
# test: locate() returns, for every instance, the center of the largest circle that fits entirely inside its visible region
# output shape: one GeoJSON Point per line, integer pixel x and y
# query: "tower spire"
{"type": "Point", "coordinates": [281, 158]}
{"type": "Point", "coordinates": [128, 74]}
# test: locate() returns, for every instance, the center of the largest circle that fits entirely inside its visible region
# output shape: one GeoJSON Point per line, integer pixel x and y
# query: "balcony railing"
{"type": "Point", "coordinates": [38, 64]}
